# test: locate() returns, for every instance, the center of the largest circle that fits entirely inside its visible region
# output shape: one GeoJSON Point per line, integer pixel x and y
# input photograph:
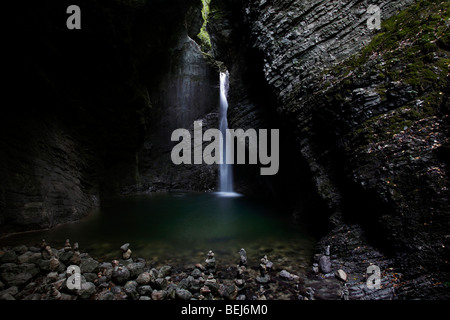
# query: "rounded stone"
{"type": "Point", "coordinates": [182, 294]}
{"type": "Point", "coordinates": [341, 275]}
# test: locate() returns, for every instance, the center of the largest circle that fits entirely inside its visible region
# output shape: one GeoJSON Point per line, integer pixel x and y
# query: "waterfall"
{"type": "Point", "coordinates": [226, 170]}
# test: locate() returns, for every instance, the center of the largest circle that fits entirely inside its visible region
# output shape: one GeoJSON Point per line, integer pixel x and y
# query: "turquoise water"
{"type": "Point", "coordinates": [180, 228]}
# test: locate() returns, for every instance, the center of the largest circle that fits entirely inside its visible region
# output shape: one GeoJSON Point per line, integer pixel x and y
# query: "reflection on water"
{"type": "Point", "coordinates": [179, 228]}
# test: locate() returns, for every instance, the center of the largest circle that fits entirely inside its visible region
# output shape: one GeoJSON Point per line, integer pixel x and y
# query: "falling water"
{"type": "Point", "coordinates": [226, 172]}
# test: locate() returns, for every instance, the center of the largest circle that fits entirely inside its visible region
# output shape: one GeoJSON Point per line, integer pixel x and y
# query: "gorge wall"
{"type": "Point", "coordinates": [371, 124]}
{"type": "Point", "coordinates": [88, 105]}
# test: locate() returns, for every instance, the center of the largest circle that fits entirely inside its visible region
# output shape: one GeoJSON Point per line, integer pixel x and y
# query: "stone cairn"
{"type": "Point", "coordinates": [126, 251]}
{"type": "Point", "coordinates": [264, 267]}
{"type": "Point", "coordinates": [76, 257]}
{"type": "Point", "coordinates": [210, 263]}
{"type": "Point", "coordinates": [241, 268]}
{"type": "Point", "coordinates": [44, 274]}
{"type": "Point", "coordinates": [325, 261]}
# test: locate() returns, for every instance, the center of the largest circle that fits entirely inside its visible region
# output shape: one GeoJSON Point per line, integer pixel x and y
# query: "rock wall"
{"type": "Point", "coordinates": [85, 102]}
{"type": "Point", "coordinates": [187, 91]}
{"type": "Point", "coordinates": [253, 104]}
{"type": "Point", "coordinates": [373, 127]}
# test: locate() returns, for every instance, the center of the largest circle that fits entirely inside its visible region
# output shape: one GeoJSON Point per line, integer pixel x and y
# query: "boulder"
{"type": "Point", "coordinates": [228, 292]}
{"type": "Point", "coordinates": [52, 276]}
{"type": "Point", "coordinates": [161, 283]}
{"type": "Point", "coordinates": [145, 290]}
{"type": "Point", "coordinates": [121, 275]}
{"type": "Point", "coordinates": [24, 257]}
{"type": "Point", "coordinates": [341, 275]}
{"type": "Point", "coordinates": [9, 256]}
{"type": "Point", "coordinates": [135, 268]}
{"type": "Point", "coordinates": [182, 294]}
{"type": "Point", "coordinates": [171, 291]}
{"type": "Point", "coordinates": [154, 274]}
{"type": "Point", "coordinates": [7, 296]}
{"type": "Point", "coordinates": [90, 276]}
{"type": "Point", "coordinates": [130, 289]}
{"type": "Point", "coordinates": [164, 271]}
{"type": "Point", "coordinates": [288, 276]}
{"type": "Point", "coordinates": [106, 295]}
{"type": "Point", "coordinates": [11, 290]}
{"type": "Point", "coordinates": [196, 273]}
{"type": "Point", "coordinates": [65, 256]}
{"type": "Point", "coordinates": [143, 278]}
{"type": "Point", "coordinates": [19, 250]}
{"type": "Point", "coordinates": [17, 275]}
{"type": "Point", "coordinates": [44, 265]}
{"type": "Point", "coordinates": [88, 265]}
{"type": "Point", "coordinates": [159, 295]}
{"type": "Point", "coordinates": [195, 285]}
{"type": "Point", "coordinates": [86, 291]}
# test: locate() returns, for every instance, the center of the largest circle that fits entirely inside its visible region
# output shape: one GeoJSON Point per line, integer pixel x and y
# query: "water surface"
{"type": "Point", "coordinates": [180, 228]}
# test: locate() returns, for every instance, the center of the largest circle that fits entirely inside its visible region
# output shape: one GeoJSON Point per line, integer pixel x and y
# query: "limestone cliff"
{"type": "Point", "coordinates": [369, 110]}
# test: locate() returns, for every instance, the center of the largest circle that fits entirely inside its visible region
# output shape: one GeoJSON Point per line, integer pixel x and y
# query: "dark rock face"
{"type": "Point", "coordinates": [99, 108]}
{"type": "Point", "coordinates": [253, 104]}
{"type": "Point", "coordinates": [186, 91]}
{"type": "Point", "coordinates": [372, 130]}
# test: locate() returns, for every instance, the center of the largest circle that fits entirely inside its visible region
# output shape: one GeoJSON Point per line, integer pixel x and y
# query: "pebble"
{"type": "Point", "coordinates": [315, 268]}
{"type": "Point", "coordinates": [127, 254]}
{"type": "Point", "coordinates": [164, 271]}
{"type": "Point", "coordinates": [125, 247]}
{"type": "Point", "coordinates": [161, 283]}
{"type": "Point", "coordinates": [183, 294]}
{"type": "Point", "coordinates": [288, 276]}
{"type": "Point", "coordinates": [263, 279]}
{"type": "Point", "coordinates": [145, 290]}
{"type": "Point", "coordinates": [341, 275]}
{"type": "Point", "coordinates": [159, 295]}
{"type": "Point", "coordinates": [143, 278]}
{"type": "Point", "coordinates": [130, 289]}
{"type": "Point", "coordinates": [196, 273]}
